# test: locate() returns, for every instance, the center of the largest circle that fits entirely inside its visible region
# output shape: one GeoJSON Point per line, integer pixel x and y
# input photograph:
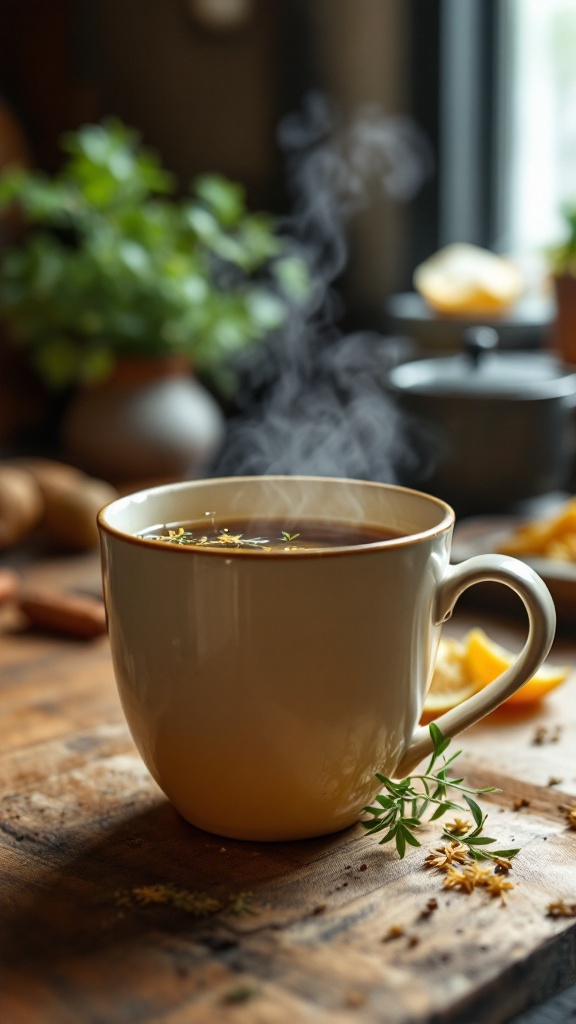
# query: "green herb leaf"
{"type": "Point", "coordinates": [113, 263]}
{"type": "Point", "coordinates": [479, 841]}
{"type": "Point", "coordinates": [439, 740]}
{"type": "Point", "coordinates": [475, 809]}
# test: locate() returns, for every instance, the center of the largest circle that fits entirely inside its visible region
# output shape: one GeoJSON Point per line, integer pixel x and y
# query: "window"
{"type": "Point", "coordinates": [538, 125]}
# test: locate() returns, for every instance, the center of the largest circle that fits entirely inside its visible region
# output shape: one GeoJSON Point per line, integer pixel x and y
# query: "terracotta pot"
{"type": "Point", "coordinates": [151, 419]}
{"type": "Point", "coordinates": [564, 331]}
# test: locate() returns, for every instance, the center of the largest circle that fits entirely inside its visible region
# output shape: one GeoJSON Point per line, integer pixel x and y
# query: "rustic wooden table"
{"type": "Point", "coordinates": [115, 910]}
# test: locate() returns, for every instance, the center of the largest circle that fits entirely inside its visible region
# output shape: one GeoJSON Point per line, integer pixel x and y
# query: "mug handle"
{"type": "Point", "coordinates": [541, 628]}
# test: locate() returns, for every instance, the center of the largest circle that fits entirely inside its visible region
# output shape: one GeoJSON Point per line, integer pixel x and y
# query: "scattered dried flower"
{"type": "Point", "coordinates": [481, 875]}
{"type": "Point", "coordinates": [459, 827]}
{"type": "Point", "coordinates": [473, 875]}
{"type": "Point", "coordinates": [442, 856]}
{"type": "Point", "coordinates": [496, 885]}
{"type": "Point", "coordinates": [457, 878]}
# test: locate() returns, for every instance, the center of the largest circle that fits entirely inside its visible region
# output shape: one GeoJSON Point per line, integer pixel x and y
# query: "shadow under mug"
{"type": "Point", "coordinates": [264, 690]}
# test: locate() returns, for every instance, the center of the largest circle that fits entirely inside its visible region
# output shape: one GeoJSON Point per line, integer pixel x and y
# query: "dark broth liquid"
{"type": "Point", "coordinates": [268, 534]}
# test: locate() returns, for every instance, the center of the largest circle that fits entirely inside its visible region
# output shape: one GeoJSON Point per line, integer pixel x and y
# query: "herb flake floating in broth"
{"type": "Point", "coordinates": [268, 534]}
{"type": "Point", "coordinates": [223, 539]}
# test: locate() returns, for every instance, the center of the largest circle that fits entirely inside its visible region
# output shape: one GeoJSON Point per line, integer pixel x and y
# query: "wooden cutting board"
{"type": "Point", "coordinates": [115, 910]}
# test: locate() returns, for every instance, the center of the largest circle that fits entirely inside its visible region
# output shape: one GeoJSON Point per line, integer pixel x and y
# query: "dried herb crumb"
{"type": "Point", "coordinates": [134, 842]}
{"type": "Point", "coordinates": [503, 865]}
{"type": "Point", "coordinates": [354, 999]}
{"type": "Point", "coordinates": [198, 904]}
{"type": "Point", "coordinates": [544, 734]}
{"type": "Point", "coordinates": [243, 903]}
{"type": "Point", "coordinates": [569, 811]}
{"type": "Point", "coordinates": [558, 908]}
{"type": "Point", "coordinates": [319, 909]}
{"type": "Point", "coordinates": [520, 803]}
{"type": "Point", "coordinates": [554, 781]}
{"type": "Point", "coordinates": [429, 909]}
{"type": "Point", "coordinates": [240, 994]}
{"type": "Point", "coordinates": [413, 940]}
{"type": "Point", "coordinates": [122, 898]}
{"type": "Point", "coordinates": [145, 894]}
{"type": "Point", "coordinates": [395, 931]}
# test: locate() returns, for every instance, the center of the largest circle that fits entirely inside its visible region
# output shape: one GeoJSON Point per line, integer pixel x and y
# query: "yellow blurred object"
{"type": "Point", "coordinates": [486, 659]}
{"type": "Point", "coordinates": [451, 683]}
{"type": "Point", "coordinates": [465, 280]}
{"type": "Point", "coordinates": [464, 667]}
{"type": "Point", "coordinates": [554, 537]}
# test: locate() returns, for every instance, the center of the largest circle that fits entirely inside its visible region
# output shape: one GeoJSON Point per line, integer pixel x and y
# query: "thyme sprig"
{"type": "Point", "coordinates": [404, 805]}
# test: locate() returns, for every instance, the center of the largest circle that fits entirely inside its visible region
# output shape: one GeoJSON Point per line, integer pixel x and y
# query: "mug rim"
{"type": "Point", "coordinates": [446, 523]}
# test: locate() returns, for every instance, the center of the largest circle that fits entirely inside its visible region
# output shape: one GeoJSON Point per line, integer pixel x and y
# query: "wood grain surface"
{"type": "Point", "coordinates": [116, 911]}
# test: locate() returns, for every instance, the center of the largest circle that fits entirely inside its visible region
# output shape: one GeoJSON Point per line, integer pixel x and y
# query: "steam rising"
{"type": "Point", "coordinates": [316, 405]}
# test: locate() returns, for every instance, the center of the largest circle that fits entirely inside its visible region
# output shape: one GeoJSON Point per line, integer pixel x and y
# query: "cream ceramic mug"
{"type": "Point", "coordinates": [265, 690]}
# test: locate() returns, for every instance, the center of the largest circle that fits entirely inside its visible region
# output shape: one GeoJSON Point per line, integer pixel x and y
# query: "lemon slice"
{"type": "Point", "coordinates": [463, 279]}
{"type": "Point", "coordinates": [486, 659]}
{"type": "Point", "coordinates": [451, 683]}
{"type": "Point", "coordinates": [465, 666]}
{"type": "Point", "coordinates": [552, 537]}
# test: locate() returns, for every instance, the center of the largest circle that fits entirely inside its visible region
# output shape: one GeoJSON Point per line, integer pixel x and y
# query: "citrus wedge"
{"type": "Point", "coordinates": [554, 537]}
{"type": "Point", "coordinates": [451, 683]}
{"type": "Point", "coordinates": [465, 666]}
{"type": "Point", "coordinates": [486, 659]}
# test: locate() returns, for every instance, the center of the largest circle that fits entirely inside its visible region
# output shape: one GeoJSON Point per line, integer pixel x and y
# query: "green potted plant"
{"type": "Point", "coordinates": [562, 263]}
{"type": "Point", "coordinates": [115, 271]}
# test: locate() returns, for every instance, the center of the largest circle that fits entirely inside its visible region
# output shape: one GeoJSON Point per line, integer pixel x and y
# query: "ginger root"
{"type": "Point", "coordinates": [58, 500]}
